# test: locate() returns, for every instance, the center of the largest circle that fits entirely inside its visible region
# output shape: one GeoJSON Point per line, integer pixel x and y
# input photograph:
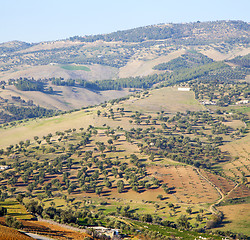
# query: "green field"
{"type": "Point", "coordinates": [15, 209]}
{"type": "Point", "coordinates": [75, 67]}
{"type": "Point", "coordinates": [166, 231]}
{"type": "Point", "coordinates": [167, 99]}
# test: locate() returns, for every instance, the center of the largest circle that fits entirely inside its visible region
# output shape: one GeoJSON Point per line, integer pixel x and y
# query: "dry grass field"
{"type": "Point", "coordinates": [138, 67]}
{"type": "Point", "coordinates": [168, 99]}
{"type": "Point", "coordinates": [212, 52]}
{"type": "Point", "coordinates": [239, 166]}
{"type": "Point", "coordinates": [97, 72]}
{"type": "Point", "coordinates": [7, 233]}
{"type": "Point", "coordinates": [235, 124]}
{"type": "Point", "coordinates": [237, 218]}
{"type": "Point", "coordinates": [188, 186]}
{"type": "Point", "coordinates": [225, 185]}
{"type": "Point", "coordinates": [65, 98]}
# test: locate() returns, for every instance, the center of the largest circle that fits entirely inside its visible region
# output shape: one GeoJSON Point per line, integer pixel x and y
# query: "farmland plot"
{"type": "Point", "coordinates": [188, 186]}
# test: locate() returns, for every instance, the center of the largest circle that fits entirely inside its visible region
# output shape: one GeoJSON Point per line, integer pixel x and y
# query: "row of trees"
{"type": "Point", "coordinates": [18, 113]}
{"type": "Point", "coordinates": [29, 85]}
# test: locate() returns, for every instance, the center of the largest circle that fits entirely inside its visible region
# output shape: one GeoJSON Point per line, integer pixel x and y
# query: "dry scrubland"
{"type": "Point", "coordinates": [138, 67]}
{"type": "Point", "coordinates": [65, 98]}
{"type": "Point", "coordinates": [216, 55]}
{"type": "Point", "coordinates": [48, 71]}
{"type": "Point", "coordinates": [239, 166]}
{"type": "Point", "coordinates": [189, 186]}
{"type": "Point", "coordinates": [139, 64]}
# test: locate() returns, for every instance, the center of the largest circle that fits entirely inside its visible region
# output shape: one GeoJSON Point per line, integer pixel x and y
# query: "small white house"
{"type": "Point", "coordinates": [243, 102]}
{"type": "Point", "coordinates": [184, 89]}
{"type": "Point", "coordinates": [207, 102]}
{"type": "Point", "coordinates": [2, 167]}
{"type": "Point", "coordinates": [107, 231]}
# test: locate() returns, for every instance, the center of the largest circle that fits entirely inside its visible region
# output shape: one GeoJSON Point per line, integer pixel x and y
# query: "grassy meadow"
{"type": "Point", "coordinates": [75, 67]}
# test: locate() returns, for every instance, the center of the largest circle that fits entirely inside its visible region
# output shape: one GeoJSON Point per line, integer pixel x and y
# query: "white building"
{"type": "Point", "coordinates": [2, 167]}
{"type": "Point", "coordinates": [207, 102]}
{"type": "Point", "coordinates": [243, 102]}
{"type": "Point", "coordinates": [183, 89]}
{"type": "Point", "coordinates": [107, 231]}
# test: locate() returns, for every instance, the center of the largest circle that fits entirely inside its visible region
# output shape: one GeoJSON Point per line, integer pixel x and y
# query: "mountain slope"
{"type": "Point", "coordinates": [122, 48]}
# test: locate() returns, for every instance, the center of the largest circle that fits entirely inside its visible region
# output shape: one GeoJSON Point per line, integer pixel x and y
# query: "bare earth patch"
{"type": "Point", "coordinates": [186, 184]}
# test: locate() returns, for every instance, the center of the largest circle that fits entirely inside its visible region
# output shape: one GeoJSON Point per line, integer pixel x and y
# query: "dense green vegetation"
{"type": "Point", "coordinates": [103, 85]}
{"type": "Point", "coordinates": [29, 85]}
{"type": "Point", "coordinates": [200, 150]}
{"type": "Point", "coordinates": [211, 71]}
{"type": "Point", "coordinates": [134, 224]}
{"type": "Point", "coordinates": [208, 72]}
{"type": "Point", "coordinates": [16, 108]}
{"type": "Point", "coordinates": [189, 60]}
{"type": "Point", "coordinates": [242, 61]}
{"type": "Point", "coordinates": [19, 113]}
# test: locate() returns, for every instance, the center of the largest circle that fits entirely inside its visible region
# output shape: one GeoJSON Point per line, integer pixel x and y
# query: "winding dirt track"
{"type": "Point", "coordinates": [222, 196]}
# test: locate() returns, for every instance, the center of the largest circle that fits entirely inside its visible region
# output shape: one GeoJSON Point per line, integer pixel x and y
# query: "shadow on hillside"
{"type": "Point", "coordinates": [55, 93]}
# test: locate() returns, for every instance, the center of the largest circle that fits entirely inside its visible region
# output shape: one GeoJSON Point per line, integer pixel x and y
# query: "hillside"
{"type": "Point", "coordinates": [173, 158]}
{"type": "Point", "coordinates": [222, 39]}
{"type": "Point", "coordinates": [64, 98]}
{"type": "Point", "coordinates": [12, 234]}
{"type": "Point", "coordinates": [122, 54]}
{"type": "Point", "coordinates": [144, 131]}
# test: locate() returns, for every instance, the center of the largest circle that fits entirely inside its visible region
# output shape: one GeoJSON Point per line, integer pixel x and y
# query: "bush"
{"type": "Point", "coordinates": [3, 211]}
{"type": "Point", "coordinates": [13, 222]}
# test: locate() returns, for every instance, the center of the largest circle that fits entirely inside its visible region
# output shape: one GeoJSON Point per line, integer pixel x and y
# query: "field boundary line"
{"type": "Point", "coordinates": [222, 196]}
{"type": "Point", "coordinates": [61, 225]}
